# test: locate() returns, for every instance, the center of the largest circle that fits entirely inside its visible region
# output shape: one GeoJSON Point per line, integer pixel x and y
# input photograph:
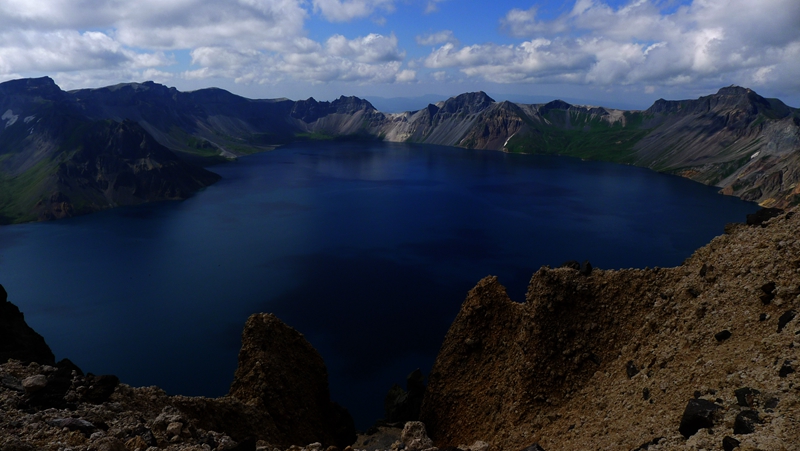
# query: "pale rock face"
{"type": "Point", "coordinates": [480, 445]}
{"type": "Point", "coordinates": [415, 437]}
{"type": "Point", "coordinates": [34, 383]}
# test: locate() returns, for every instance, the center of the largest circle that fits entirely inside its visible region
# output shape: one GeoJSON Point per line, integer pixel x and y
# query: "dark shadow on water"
{"type": "Point", "coordinates": [370, 310]}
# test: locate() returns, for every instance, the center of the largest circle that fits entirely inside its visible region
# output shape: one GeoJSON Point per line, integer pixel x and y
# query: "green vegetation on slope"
{"type": "Point", "coordinates": [582, 135]}
{"type": "Point", "coordinates": [18, 194]}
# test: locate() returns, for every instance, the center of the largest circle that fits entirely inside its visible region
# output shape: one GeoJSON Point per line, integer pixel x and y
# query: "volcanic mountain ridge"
{"type": "Point", "coordinates": [58, 157]}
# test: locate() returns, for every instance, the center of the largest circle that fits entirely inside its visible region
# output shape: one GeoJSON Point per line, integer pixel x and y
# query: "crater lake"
{"type": "Point", "coordinates": [368, 249]}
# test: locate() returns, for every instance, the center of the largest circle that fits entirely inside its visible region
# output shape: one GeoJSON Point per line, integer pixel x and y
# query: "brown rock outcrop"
{"type": "Point", "coordinates": [17, 340]}
{"type": "Point", "coordinates": [609, 360]}
{"type": "Point", "coordinates": [281, 373]}
{"type": "Point", "coordinates": [279, 397]}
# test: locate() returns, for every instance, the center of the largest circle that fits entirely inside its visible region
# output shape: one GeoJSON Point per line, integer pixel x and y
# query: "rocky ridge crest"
{"type": "Point", "coordinates": [604, 359]}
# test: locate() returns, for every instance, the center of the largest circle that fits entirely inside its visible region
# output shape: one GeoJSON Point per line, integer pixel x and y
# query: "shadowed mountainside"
{"type": "Point", "coordinates": [735, 139]}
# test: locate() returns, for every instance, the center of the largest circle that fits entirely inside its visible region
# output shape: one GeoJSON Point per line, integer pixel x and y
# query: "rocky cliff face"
{"type": "Point", "coordinates": [735, 139]}
{"type": "Point", "coordinates": [281, 373]}
{"type": "Point", "coordinates": [112, 164]}
{"type": "Point", "coordinates": [17, 340]}
{"type": "Point", "coordinates": [279, 397]}
{"type": "Point", "coordinates": [56, 161]}
{"type": "Point", "coordinates": [611, 359]}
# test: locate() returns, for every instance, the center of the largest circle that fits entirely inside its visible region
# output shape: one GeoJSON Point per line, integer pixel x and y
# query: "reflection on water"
{"type": "Point", "coordinates": [367, 249]}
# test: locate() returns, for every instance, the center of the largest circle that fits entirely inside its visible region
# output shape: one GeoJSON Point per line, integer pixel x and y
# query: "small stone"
{"type": "Point", "coordinates": [645, 393]}
{"type": "Point", "coordinates": [478, 446]}
{"type": "Point", "coordinates": [722, 335]}
{"type": "Point", "coordinates": [746, 422]}
{"type": "Point", "coordinates": [316, 446]}
{"type": "Point", "coordinates": [647, 445]}
{"type": "Point", "coordinates": [100, 388]}
{"type": "Point", "coordinates": [149, 438]}
{"type": "Point", "coordinates": [631, 369]}
{"type": "Point", "coordinates": [769, 292]}
{"type": "Point", "coordinates": [771, 403]}
{"type": "Point", "coordinates": [11, 383]}
{"type": "Point", "coordinates": [534, 447]}
{"type": "Point", "coordinates": [35, 383]}
{"type": "Point", "coordinates": [785, 318]}
{"type": "Point", "coordinates": [571, 264]}
{"type": "Point", "coordinates": [108, 444]}
{"type": "Point", "coordinates": [745, 395]}
{"type": "Point", "coordinates": [729, 443]}
{"type": "Point", "coordinates": [786, 369]}
{"type": "Point", "coordinates": [586, 268]}
{"type": "Point", "coordinates": [97, 435]}
{"type": "Point", "coordinates": [699, 414]}
{"type": "Point", "coordinates": [174, 428]}
{"type": "Point", "coordinates": [136, 443]}
{"type": "Point", "coordinates": [73, 424]}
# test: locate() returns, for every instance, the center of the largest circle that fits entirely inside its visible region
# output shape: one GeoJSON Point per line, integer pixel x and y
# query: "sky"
{"type": "Point", "coordinates": [606, 52]}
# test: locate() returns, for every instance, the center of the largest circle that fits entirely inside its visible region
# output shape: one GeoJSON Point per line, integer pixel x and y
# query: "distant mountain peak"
{"type": "Point", "coordinates": [557, 104]}
{"type": "Point", "coordinates": [470, 103]}
{"type": "Point", "coordinates": [734, 90]}
{"type": "Point", "coordinates": [43, 86]}
{"type": "Point", "coordinates": [478, 97]}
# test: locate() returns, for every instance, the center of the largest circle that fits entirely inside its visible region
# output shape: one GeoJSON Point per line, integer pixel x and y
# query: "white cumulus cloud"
{"type": "Point", "coordinates": [347, 10]}
{"type": "Point", "coordinates": [370, 59]}
{"type": "Point", "coordinates": [372, 48]}
{"type": "Point", "coordinates": [246, 41]}
{"type": "Point", "coordinates": [706, 42]}
{"type": "Point", "coordinates": [440, 37]}
{"type": "Point", "coordinates": [432, 6]}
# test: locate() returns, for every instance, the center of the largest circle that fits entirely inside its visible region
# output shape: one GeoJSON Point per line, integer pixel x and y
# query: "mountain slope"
{"type": "Point", "coordinates": [67, 153]}
{"type": "Point", "coordinates": [57, 162]}
{"type": "Point", "coordinates": [613, 359]}
{"type": "Point", "coordinates": [213, 124]}
{"type": "Point", "coordinates": [735, 139]}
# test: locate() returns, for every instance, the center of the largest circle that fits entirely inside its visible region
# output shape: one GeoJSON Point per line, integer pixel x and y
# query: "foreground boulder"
{"type": "Point", "coordinates": [608, 360]}
{"type": "Point", "coordinates": [699, 414]}
{"type": "Point", "coordinates": [281, 373]}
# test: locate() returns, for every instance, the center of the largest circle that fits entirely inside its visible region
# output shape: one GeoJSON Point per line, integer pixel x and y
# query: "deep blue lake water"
{"type": "Point", "coordinates": [367, 249]}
